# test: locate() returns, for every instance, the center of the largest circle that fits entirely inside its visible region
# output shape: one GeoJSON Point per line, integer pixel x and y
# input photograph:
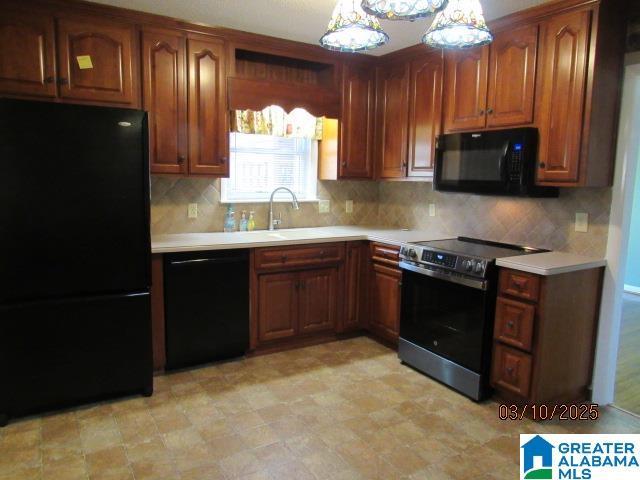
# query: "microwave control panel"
{"type": "Point", "coordinates": [515, 165]}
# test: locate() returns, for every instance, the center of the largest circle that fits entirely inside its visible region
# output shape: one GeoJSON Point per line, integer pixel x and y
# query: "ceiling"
{"type": "Point", "coordinates": [301, 20]}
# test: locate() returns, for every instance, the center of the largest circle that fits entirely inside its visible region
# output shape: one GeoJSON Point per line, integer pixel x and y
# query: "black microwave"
{"type": "Point", "coordinates": [497, 162]}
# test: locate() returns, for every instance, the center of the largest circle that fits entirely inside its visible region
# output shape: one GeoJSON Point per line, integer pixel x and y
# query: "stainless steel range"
{"type": "Point", "coordinates": [448, 303]}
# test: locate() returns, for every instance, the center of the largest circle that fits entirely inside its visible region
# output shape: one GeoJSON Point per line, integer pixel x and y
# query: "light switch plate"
{"type": "Point", "coordinates": [582, 222]}
{"type": "Point", "coordinates": [193, 210]}
{"type": "Point", "coordinates": [324, 206]}
{"type": "Point", "coordinates": [348, 206]}
{"type": "Point", "coordinates": [432, 209]}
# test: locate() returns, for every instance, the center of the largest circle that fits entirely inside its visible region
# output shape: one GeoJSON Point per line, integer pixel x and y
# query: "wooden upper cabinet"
{"type": "Point", "coordinates": [425, 113]}
{"type": "Point", "coordinates": [358, 99]}
{"type": "Point", "coordinates": [96, 61]}
{"type": "Point", "coordinates": [277, 305]}
{"type": "Point", "coordinates": [563, 79]}
{"type": "Point", "coordinates": [466, 74]}
{"type": "Point", "coordinates": [512, 77]}
{"type": "Point", "coordinates": [165, 98]}
{"type": "Point", "coordinates": [318, 300]}
{"type": "Point", "coordinates": [208, 125]}
{"type": "Point", "coordinates": [392, 116]}
{"type": "Point", "coordinates": [27, 55]}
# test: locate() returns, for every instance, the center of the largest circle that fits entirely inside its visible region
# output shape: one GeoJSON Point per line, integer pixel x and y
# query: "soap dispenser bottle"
{"type": "Point", "coordinates": [230, 220]}
{"type": "Point", "coordinates": [244, 224]}
{"type": "Point", "coordinates": [251, 223]}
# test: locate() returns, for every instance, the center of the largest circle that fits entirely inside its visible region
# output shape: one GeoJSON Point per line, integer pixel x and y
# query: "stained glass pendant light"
{"type": "Point", "coordinates": [352, 30]}
{"type": "Point", "coordinates": [460, 25]}
{"type": "Point", "coordinates": [402, 9]}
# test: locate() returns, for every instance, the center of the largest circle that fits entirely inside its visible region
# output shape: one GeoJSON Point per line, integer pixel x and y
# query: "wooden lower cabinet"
{"type": "Point", "coordinates": [278, 306]}
{"type": "Point", "coordinates": [544, 336]}
{"type": "Point", "coordinates": [385, 288]}
{"type": "Point", "coordinates": [356, 286]}
{"type": "Point", "coordinates": [297, 293]}
{"type": "Point", "coordinates": [317, 300]}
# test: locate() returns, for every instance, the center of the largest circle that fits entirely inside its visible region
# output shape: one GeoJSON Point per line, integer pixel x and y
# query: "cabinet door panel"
{"type": "Point", "coordinates": [511, 370]}
{"type": "Point", "coordinates": [466, 74]}
{"type": "Point", "coordinates": [208, 131]}
{"type": "Point", "coordinates": [512, 77]}
{"type": "Point", "coordinates": [165, 99]}
{"type": "Point", "coordinates": [393, 117]}
{"type": "Point", "coordinates": [386, 301]}
{"type": "Point", "coordinates": [355, 285]}
{"type": "Point", "coordinates": [425, 114]}
{"type": "Point", "coordinates": [277, 305]}
{"type": "Point", "coordinates": [27, 54]}
{"type": "Point", "coordinates": [96, 61]}
{"type": "Point", "coordinates": [356, 125]}
{"type": "Point", "coordinates": [564, 75]}
{"type": "Point", "coordinates": [318, 300]}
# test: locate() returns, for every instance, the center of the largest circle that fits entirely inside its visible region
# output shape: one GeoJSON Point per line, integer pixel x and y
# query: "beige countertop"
{"type": "Point", "coordinates": [550, 263]}
{"type": "Point", "coordinates": [185, 242]}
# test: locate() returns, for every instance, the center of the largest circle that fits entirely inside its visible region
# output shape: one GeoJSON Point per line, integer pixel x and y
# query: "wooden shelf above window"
{"type": "Point", "coordinates": [261, 79]}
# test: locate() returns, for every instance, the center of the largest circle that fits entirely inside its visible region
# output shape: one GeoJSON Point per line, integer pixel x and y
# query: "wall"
{"type": "Point", "coordinates": [170, 197]}
{"type": "Point", "coordinates": [632, 276]}
{"type": "Point", "coordinates": [544, 223]}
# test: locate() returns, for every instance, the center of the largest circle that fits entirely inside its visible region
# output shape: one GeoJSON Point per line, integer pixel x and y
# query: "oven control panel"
{"type": "Point", "coordinates": [474, 267]}
{"type": "Point", "coordinates": [439, 258]}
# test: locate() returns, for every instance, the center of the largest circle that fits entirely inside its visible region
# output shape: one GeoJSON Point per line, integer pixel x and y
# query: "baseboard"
{"type": "Point", "coordinates": [632, 289]}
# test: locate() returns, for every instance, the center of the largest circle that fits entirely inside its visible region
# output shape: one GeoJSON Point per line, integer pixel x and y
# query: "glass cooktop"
{"type": "Point", "coordinates": [473, 247]}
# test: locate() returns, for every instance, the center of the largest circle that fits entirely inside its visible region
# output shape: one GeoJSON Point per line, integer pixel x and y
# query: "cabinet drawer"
{"type": "Point", "coordinates": [511, 370]}
{"type": "Point", "coordinates": [279, 258]}
{"type": "Point", "coordinates": [382, 253]}
{"type": "Point", "coordinates": [514, 323]}
{"type": "Point", "coordinates": [519, 284]}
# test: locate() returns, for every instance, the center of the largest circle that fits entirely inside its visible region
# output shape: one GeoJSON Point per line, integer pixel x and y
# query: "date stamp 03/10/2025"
{"type": "Point", "coordinates": [541, 412]}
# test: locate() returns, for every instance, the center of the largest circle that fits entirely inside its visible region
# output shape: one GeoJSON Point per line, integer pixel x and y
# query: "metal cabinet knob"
{"type": "Point", "coordinates": [543, 165]}
{"type": "Point", "coordinates": [62, 81]}
{"type": "Point", "coordinates": [180, 159]}
{"type": "Point", "coordinates": [223, 160]}
{"type": "Point", "coordinates": [490, 111]}
{"type": "Point", "coordinates": [48, 80]}
{"type": "Point", "coordinates": [510, 324]}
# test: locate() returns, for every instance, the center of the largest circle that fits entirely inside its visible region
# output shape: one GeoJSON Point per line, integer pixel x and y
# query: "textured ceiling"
{"type": "Point", "coordinates": [302, 20]}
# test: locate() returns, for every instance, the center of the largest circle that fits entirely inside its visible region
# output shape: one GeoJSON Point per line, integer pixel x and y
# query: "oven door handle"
{"type": "Point", "coordinates": [467, 282]}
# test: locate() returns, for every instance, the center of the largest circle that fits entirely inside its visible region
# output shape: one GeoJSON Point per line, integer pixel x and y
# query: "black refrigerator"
{"type": "Point", "coordinates": [75, 322]}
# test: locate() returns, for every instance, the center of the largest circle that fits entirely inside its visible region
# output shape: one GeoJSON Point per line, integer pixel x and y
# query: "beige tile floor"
{"type": "Point", "coordinates": [343, 410]}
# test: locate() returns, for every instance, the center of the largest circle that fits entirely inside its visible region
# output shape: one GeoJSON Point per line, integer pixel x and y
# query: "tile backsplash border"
{"type": "Point", "coordinates": [545, 222]}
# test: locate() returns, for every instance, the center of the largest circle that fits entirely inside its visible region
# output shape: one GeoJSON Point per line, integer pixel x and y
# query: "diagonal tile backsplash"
{"type": "Point", "coordinates": [547, 223]}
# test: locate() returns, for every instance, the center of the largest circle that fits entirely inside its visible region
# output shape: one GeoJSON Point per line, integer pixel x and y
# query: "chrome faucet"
{"type": "Point", "coordinates": [275, 222]}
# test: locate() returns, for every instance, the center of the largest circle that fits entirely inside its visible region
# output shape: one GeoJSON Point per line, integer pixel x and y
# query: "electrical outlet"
{"type": "Point", "coordinates": [432, 209]}
{"type": "Point", "coordinates": [348, 206]}
{"type": "Point", "coordinates": [193, 210]}
{"type": "Point", "coordinates": [324, 206]}
{"type": "Point", "coordinates": [582, 222]}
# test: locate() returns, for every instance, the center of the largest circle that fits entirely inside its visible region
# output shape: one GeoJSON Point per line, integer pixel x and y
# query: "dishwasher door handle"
{"type": "Point", "coordinates": [177, 263]}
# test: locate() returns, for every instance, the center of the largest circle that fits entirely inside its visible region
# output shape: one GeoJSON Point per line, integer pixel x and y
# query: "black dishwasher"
{"type": "Point", "coordinates": [206, 306]}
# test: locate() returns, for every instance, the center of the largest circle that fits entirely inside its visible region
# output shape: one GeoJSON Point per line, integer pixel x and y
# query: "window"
{"type": "Point", "coordinates": [261, 163]}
